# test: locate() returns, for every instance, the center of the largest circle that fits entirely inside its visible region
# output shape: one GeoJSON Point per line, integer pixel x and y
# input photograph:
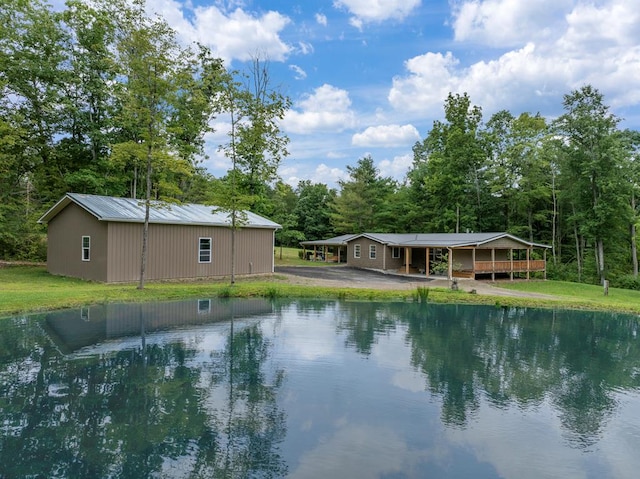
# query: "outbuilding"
{"type": "Point", "coordinates": [100, 238]}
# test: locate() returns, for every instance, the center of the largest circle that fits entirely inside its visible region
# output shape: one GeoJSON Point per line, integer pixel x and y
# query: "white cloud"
{"type": "Point", "coordinates": [300, 74]}
{"type": "Point", "coordinates": [397, 167]}
{"type": "Point", "coordinates": [599, 45]}
{"type": "Point", "coordinates": [327, 109]}
{"type": "Point", "coordinates": [386, 136]}
{"type": "Point", "coordinates": [322, 173]}
{"type": "Point", "coordinates": [232, 35]}
{"type": "Point", "coordinates": [328, 175]}
{"type": "Point", "coordinates": [507, 22]}
{"type": "Point", "coordinates": [370, 11]}
{"type": "Point", "coordinates": [305, 48]}
{"type": "Point", "coordinates": [430, 78]}
{"type": "Point", "coordinates": [321, 19]}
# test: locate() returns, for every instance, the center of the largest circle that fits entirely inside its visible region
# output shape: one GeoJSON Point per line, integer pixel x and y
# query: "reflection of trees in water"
{"type": "Point", "coordinates": [363, 323]}
{"type": "Point", "coordinates": [513, 356]}
{"type": "Point", "coordinates": [249, 424]}
{"type": "Point", "coordinates": [136, 413]}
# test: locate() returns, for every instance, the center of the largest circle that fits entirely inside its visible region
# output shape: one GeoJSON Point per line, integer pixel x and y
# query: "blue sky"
{"type": "Point", "coordinates": [369, 77]}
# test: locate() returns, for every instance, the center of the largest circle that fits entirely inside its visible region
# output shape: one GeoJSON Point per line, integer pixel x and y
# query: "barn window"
{"type": "Point", "coordinates": [372, 251]}
{"type": "Point", "coordinates": [356, 250]}
{"type": "Point", "coordinates": [86, 248]}
{"type": "Point", "coordinates": [204, 250]}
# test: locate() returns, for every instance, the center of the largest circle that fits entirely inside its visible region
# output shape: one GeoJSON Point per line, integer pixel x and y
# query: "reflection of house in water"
{"type": "Point", "coordinates": [77, 328]}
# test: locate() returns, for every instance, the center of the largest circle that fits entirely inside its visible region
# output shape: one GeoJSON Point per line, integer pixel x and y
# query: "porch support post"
{"type": "Point", "coordinates": [544, 254]}
{"type": "Point", "coordinates": [493, 264]}
{"type": "Point", "coordinates": [511, 256]}
{"type": "Point", "coordinates": [450, 269]}
{"type": "Point", "coordinates": [384, 257]}
{"type": "Point", "coordinates": [315, 252]}
{"type": "Point", "coordinates": [473, 261]}
{"type": "Point", "coordinates": [426, 262]}
{"type": "Point", "coordinates": [528, 262]}
{"type": "Point", "coordinates": [407, 259]}
{"type": "Point", "coordinates": [325, 252]}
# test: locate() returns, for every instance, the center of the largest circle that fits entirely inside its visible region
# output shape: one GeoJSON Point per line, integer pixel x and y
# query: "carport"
{"type": "Point", "coordinates": [332, 250]}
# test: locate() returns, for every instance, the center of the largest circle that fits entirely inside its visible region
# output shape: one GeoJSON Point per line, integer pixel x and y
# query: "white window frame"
{"type": "Point", "coordinates": [204, 306]}
{"type": "Point", "coordinates": [395, 252]}
{"type": "Point", "coordinates": [372, 251]}
{"type": "Point", "coordinates": [356, 251]}
{"type": "Point", "coordinates": [204, 251]}
{"type": "Point", "coordinates": [86, 250]}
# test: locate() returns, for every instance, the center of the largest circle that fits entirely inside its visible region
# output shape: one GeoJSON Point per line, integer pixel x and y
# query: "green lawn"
{"type": "Point", "coordinates": [31, 288]}
{"type": "Point", "coordinates": [583, 294]}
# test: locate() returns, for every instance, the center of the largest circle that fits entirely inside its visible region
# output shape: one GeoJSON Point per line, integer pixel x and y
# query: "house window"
{"type": "Point", "coordinates": [86, 248]}
{"type": "Point", "coordinates": [204, 250]}
{"type": "Point", "coordinates": [356, 251]}
{"type": "Point", "coordinates": [372, 251]}
{"type": "Point", "coordinates": [395, 253]}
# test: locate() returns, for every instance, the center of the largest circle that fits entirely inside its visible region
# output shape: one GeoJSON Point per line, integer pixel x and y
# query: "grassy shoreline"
{"type": "Point", "coordinates": [30, 289]}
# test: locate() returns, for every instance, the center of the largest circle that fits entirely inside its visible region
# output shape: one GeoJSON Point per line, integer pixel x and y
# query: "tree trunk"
{"type": "Point", "coordinates": [578, 249]}
{"type": "Point", "coordinates": [634, 246]}
{"type": "Point", "coordinates": [233, 246]}
{"type": "Point", "coordinates": [554, 217]}
{"type": "Point", "coordinates": [600, 259]}
{"type": "Point", "coordinates": [145, 230]}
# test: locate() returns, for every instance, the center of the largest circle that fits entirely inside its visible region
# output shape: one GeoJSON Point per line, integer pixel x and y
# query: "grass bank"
{"type": "Point", "coordinates": [31, 288]}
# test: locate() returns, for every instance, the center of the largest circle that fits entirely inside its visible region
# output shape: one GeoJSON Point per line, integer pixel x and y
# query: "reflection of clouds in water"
{"type": "Point", "coordinates": [304, 339]}
{"type": "Point", "coordinates": [360, 452]}
{"type": "Point", "coordinates": [496, 437]}
{"type": "Point", "coordinates": [620, 441]}
{"type": "Point", "coordinates": [393, 354]}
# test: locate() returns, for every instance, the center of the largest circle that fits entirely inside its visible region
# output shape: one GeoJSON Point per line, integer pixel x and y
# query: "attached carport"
{"type": "Point", "coordinates": [332, 250]}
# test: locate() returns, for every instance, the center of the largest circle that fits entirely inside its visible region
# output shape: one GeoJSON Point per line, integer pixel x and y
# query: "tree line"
{"type": "Point", "coordinates": [102, 99]}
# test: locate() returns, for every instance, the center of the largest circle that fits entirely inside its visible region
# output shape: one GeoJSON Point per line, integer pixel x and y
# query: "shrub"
{"type": "Point", "coordinates": [627, 281]}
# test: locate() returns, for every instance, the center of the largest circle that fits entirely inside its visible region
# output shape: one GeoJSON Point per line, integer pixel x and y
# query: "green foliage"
{"type": "Point", "coordinates": [627, 281]}
{"type": "Point", "coordinates": [363, 201]}
{"type": "Point", "coordinates": [421, 294]}
{"type": "Point", "coordinates": [75, 116]}
{"type": "Point", "coordinates": [313, 210]}
{"type": "Point", "coordinates": [447, 176]}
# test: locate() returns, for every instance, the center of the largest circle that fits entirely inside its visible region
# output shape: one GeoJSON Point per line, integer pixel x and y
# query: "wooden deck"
{"type": "Point", "coordinates": [516, 266]}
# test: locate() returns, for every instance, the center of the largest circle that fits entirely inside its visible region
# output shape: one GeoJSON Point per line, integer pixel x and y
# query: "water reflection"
{"type": "Point", "coordinates": [216, 388]}
{"type": "Point", "coordinates": [135, 410]}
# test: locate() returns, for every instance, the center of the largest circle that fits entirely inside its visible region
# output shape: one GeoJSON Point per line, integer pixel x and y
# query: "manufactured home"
{"type": "Point", "coordinates": [100, 238]}
{"type": "Point", "coordinates": [455, 255]}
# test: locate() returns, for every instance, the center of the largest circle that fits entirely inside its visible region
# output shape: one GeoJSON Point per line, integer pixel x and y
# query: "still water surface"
{"type": "Point", "coordinates": [317, 389]}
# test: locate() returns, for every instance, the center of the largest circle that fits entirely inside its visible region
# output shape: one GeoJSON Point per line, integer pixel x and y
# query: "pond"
{"type": "Point", "coordinates": [315, 389]}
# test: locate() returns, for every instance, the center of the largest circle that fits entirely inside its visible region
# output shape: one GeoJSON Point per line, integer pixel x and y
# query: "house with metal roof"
{"type": "Point", "coordinates": [100, 238]}
{"type": "Point", "coordinates": [454, 255]}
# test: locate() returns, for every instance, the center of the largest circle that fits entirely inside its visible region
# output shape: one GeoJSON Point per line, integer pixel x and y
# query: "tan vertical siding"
{"type": "Point", "coordinates": [394, 263]}
{"type": "Point", "coordinates": [364, 261]}
{"type": "Point", "coordinates": [503, 243]}
{"type": "Point", "coordinates": [173, 251]}
{"type": "Point", "coordinates": [64, 245]}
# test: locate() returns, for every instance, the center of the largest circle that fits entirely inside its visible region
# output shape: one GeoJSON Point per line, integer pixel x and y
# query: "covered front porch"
{"type": "Point", "coordinates": [474, 262]}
